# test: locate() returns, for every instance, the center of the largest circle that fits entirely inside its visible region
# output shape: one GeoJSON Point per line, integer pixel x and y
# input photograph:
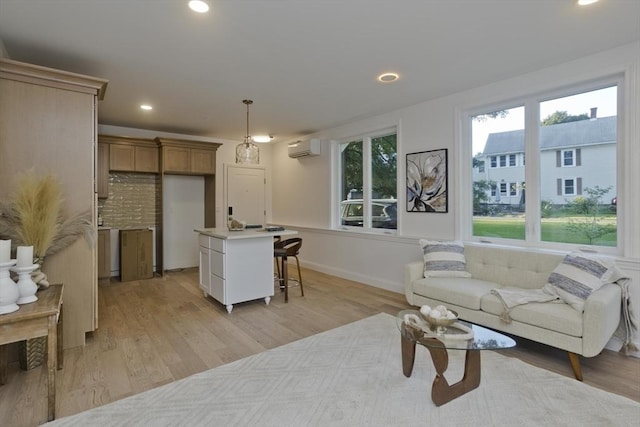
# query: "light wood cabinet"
{"type": "Point", "coordinates": [187, 157]}
{"type": "Point", "coordinates": [131, 154]}
{"type": "Point", "coordinates": [176, 159]}
{"type": "Point", "coordinates": [104, 254]}
{"type": "Point", "coordinates": [146, 159]}
{"type": "Point", "coordinates": [48, 122]}
{"type": "Point", "coordinates": [103, 171]}
{"type": "Point", "coordinates": [203, 161]}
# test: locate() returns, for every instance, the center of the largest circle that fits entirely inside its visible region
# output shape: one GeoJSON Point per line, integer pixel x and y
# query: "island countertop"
{"type": "Point", "coordinates": [251, 233]}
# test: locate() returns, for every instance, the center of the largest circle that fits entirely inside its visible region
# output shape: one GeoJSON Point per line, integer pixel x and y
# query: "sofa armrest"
{"type": "Point", "coordinates": [412, 271]}
{"type": "Point", "coordinates": [600, 318]}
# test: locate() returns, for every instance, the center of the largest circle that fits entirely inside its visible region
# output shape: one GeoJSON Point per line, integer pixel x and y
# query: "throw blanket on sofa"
{"type": "Point", "coordinates": [512, 297]}
{"type": "Point", "coordinates": [627, 329]}
{"type": "Point", "coordinates": [628, 326]}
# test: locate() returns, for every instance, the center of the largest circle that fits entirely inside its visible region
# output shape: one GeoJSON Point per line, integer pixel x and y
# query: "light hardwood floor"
{"type": "Point", "coordinates": [156, 331]}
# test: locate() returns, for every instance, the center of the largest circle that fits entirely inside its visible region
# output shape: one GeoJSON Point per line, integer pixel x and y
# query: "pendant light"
{"type": "Point", "coordinates": [247, 152]}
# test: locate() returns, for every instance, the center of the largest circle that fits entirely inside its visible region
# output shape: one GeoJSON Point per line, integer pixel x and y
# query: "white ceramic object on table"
{"type": "Point", "coordinates": [9, 292]}
{"type": "Point", "coordinates": [26, 286]}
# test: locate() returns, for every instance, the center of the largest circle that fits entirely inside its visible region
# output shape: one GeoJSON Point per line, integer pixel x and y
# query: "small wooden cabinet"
{"type": "Point", "coordinates": [104, 254]}
{"type": "Point", "coordinates": [131, 154]}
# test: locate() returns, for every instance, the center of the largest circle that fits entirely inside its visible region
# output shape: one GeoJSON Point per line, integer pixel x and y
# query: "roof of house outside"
{"type": "Point", "coordinates": [571, 134]}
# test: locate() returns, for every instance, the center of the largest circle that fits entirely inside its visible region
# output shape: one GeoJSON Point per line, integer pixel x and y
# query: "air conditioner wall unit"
{"type": "Point", "coordinates": [305, 148]}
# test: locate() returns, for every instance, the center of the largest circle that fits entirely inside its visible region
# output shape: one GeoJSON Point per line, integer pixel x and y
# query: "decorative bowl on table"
{"type": "Point", "coordinates": [438, 318]}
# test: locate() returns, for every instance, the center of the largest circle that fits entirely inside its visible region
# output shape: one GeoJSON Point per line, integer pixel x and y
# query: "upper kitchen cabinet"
{"type": "Point", "coordinates": [187, 157]}
{"type": "Point", "coordinates": [48, 123]}
{"type": "Point", "coordinates": [131, 154]}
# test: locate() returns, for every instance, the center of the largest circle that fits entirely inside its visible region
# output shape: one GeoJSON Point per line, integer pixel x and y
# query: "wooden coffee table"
{"type": "Point", "coordinates": [439, 344]}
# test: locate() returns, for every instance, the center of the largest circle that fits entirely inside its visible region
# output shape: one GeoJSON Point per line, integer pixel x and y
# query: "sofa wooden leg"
{"type": "Point", "coordinates": [574, 359]}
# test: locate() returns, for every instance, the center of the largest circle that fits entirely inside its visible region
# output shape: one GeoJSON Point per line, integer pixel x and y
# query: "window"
{"type": "Point", "coordinates": [573, 136]}
{"type": "Point", "coordinates": [368, 181]}
{"type": "Point", "coordinates": [567, 158]}
{"type": "Point", "coordinates": [569, 188]}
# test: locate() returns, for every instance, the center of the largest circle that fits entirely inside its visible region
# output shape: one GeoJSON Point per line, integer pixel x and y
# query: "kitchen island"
{"type": "Point", "coordinates": [237, 266]}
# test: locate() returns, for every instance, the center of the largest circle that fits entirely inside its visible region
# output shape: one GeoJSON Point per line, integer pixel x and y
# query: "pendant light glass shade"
{"type": "Point", "coordinates": [247, 152]}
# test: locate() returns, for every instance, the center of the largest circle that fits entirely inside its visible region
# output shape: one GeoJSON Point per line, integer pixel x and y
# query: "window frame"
{"type": "Point", "coordinates": [563, 156]}
{"type": "Point", "coordinates": [531, 103]}
{"type": "Point", "coordinates": [336, 198]}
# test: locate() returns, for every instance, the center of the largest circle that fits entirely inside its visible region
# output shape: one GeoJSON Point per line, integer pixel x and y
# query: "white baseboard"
{"type": "Point", "coordinates": [350, 275]}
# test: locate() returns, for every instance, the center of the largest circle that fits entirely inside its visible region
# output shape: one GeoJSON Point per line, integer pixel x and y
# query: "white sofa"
{"type": "Point", "coordinates": [556, 324]}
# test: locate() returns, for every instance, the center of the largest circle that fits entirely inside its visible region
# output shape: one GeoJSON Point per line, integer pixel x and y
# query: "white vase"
{"type": "Point", "coordinates": [26, 286]}
{"type": "Point", "coordinates": [9, 292]}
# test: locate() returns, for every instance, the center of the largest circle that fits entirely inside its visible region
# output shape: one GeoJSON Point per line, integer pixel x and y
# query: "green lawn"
{"type": "Point", "coordinates": [553, 230]}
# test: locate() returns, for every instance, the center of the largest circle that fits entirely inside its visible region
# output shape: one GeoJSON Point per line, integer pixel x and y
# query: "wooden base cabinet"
{"type": "Point", "coordinates": [104, 254]}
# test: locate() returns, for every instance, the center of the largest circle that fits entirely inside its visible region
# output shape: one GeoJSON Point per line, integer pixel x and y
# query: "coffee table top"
{"type": "Point", "coordinates": [460, 336]}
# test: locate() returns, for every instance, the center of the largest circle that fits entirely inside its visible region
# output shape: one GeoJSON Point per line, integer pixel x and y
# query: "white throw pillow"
{"type": "Point", "coordinates": [443, 259]}
{"type": "Point", "coordinates": [577, 276]}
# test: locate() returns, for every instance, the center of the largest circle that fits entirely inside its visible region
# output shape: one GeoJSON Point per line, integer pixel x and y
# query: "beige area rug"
{"type": "Point", "coordinates": [352, 376]}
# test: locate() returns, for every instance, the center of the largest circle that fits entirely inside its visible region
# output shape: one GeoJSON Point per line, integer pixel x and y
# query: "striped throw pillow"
{"type": "Point", "coordinates": [443, 259]}
{"type": "Point", "coordinates": [577, 276]}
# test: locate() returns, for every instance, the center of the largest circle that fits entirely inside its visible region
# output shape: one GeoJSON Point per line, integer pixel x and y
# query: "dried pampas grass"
{"type": "Point", "coordinates": [34, 216]}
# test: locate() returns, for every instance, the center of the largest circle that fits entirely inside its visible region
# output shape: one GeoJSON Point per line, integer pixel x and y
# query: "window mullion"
{"type": "Point", "coordinates": [532, 170]}
{"type": "Point", "coordinates": [366, 182]}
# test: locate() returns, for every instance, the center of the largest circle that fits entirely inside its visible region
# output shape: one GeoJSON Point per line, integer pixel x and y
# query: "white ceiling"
{"type": "Point", "coordinates": [307, 64]}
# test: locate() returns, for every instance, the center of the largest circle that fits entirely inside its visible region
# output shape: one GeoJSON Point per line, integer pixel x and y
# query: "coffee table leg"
{"type": "Point", "coordinates": [408, 355]}
{"type": "Point", "coordinates": [441, 391]}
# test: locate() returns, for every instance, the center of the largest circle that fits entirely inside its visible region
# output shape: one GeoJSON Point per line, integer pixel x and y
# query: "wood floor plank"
{"type": "Point", "coordinates": [163, 329]}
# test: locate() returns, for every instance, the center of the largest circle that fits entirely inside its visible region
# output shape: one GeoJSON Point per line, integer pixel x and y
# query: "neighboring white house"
{"type": "Point", "coordinates": [574, 156]}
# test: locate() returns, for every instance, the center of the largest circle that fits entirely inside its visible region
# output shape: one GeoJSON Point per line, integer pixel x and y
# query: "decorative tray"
{"type": "Point", "coordinates": [456, 331]}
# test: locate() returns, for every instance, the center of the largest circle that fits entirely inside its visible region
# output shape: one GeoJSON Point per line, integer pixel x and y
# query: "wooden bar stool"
{"type": "Point", "coordinates": [282, 250]}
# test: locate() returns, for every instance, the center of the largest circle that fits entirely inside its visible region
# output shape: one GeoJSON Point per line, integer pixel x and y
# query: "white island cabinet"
{"type": "Point", "coordinates": [237, 266]}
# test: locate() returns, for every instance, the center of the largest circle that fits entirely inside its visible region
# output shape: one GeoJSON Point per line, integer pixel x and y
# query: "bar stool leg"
{"type": "Point", "coordinates": [285, 278]}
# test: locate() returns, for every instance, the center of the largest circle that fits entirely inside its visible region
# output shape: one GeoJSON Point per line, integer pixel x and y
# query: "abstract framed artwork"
{"type": "Point", "coordinates": [427, 183]}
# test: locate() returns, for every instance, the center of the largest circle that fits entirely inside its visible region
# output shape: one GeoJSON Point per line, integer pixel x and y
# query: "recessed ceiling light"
{"type": "Point", "coordinates": [586, 2]}
{"type": "Point", "coordinates": [388, 77]}
{"type": "Point", "coordinates": [262, 138]}
{"type": "Point", "coordinates": [146, 107]}
{"type": "Point", "coordinates": [199, 6]}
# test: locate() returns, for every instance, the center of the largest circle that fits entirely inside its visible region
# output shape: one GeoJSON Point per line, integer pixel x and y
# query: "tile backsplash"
{"type": "Point", "coordinates": [134, 200]}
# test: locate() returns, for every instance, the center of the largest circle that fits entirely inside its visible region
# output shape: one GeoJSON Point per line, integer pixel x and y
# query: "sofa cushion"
{"type": "Point", "coordinates": [463, 292]}
{"type": "Point", "coordinates": [443, 259]}
{"type": "Point", "coordinates": [577, 276]}
{"type": "Point", "coordinates": [554, 316]}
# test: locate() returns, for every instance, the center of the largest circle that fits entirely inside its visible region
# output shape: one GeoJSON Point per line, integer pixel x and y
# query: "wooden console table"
{"type": "Point", "coordinates": [37, 319]}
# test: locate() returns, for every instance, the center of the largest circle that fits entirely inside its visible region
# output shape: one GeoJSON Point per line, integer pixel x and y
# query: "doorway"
{"type": "Point", "coordinates": [245, 193]}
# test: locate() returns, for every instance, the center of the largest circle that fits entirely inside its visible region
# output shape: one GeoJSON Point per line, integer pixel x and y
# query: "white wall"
{"type": "Point", "coordinates": [302, 187]}
{"type": "Point", "coordinates": [182, 212]}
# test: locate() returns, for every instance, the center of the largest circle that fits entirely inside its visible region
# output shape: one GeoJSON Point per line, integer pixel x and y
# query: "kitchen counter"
{"type": "Point", "coordinates": [250, 233]}
{"type": "Point", "coordinates": [237, 266]}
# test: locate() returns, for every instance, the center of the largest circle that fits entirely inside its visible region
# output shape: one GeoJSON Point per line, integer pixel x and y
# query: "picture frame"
{"type": "Point", "coordinates": [427, 181]}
